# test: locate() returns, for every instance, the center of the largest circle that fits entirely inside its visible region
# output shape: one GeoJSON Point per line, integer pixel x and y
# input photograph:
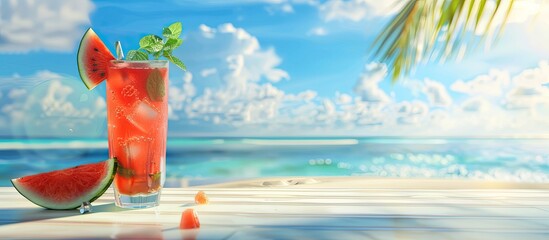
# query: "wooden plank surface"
{"type": "Point", "coordinates": [317, 211]}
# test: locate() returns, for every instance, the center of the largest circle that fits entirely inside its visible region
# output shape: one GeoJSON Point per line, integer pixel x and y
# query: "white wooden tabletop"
{"type": "Point", "coordinates": [281, 211]}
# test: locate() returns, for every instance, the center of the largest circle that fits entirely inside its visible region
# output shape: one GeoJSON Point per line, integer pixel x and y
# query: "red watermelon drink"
{"type": "Point", "coordinates": [137, 109]}
{"type": "Point", "coordinates": [137, 119]}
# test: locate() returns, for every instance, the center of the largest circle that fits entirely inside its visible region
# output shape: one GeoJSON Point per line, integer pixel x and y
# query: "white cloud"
{"type": "Point", "coordinates": [256, 104]}
{"type": "Point", "coordinates": [53, 25]}
{"type": "Point", "coordinates": [412, 112]}
{"type": "Point", "coordinates": [207, 32]}
{"type": "Point", "coordinates": [356, 10]}
{"type": "Point", "coordinates": [528, 89]}
{"type": "Point", "coordinates": [261, 64]}
{"type": "Point", "coordinates": [287, 8]}
{"type": "Point", "coordinates": [492, 84]}
{"type": "Point", "coordinates": [17, 93]}
{"type": "Point", "coordinates": [503, 106]}
{"type": "Point", "coordinates": [343, 98]}
{"type": "Point", "coordinates": [280, 7]}
{"type": "Point", "coordinates": [476, 104]}
{"type": "Point", "coordinates": [317, 31]}
{"type": "Point", "coordinates": [326, 113]}
{"type": "Point", "coordinates": [208, 72]}
{"type": "Point", "coordinates": [235, 54]}
{"type": "Point", "coordinates": [525, 90]}
{"type": "Point", "coordinates": [367, 86]}
{"type": "Point", "coordinates": [308, 2]}
{"type": "Point", "coordinates": [181, 95]}
{"type": "Point", "coordinates": [526, 97]}
{"type": "Point", "coordinates": [306, 96]}
{"type": "Point", "coordinates": [50, 104]}
{"type": "Point", "coordinates": [436, 93]}
{"type": "Point", "coordinates": [533, 77]}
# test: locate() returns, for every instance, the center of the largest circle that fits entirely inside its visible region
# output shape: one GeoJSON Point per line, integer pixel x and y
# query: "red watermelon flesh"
{"type": "Point", "coordinates": [93, 59]}
{"type": "Point", "coordinates": [67, 188]}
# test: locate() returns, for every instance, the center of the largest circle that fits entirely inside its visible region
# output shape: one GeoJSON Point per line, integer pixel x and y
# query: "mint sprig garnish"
{"type": "Point", "coordinates": [156, 46]}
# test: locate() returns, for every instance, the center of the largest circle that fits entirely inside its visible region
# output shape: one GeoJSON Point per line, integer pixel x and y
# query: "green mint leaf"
{"type": "Point", "coordinates": [155, 86]}
{"type": "Point", "coordinates": [156, 176]}
{"type": "Point", "coordinates": [134, 55]}
{"type": "Point", "coordinates": [157, 55]}
{"type": "Point", "coordinates": [151, 43]}
{"type": "Point", "coordinates": [172, 43]}
{"type": "Point", "coordinates": [173, 31]}
{"type": "Point", "coordinates": [167, 33]}
{"type": "Point", "coordinates": [175, 61]}
{"type": "Point", "coordinates": [131, 55]}
{"type": "Point", "coordinates": [125, 172]}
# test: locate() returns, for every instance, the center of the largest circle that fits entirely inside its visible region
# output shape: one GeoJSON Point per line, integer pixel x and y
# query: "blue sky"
{"type": "Point", "coordinates": [271, 68]}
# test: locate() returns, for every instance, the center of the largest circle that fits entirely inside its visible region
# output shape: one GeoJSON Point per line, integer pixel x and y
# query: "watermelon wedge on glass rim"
{"type": "Point", "coordinates": [93, 59]}
{"type": "Point", "coordinates": [67, 188]}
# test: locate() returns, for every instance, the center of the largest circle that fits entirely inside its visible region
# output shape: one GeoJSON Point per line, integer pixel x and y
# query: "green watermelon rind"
{"type": "Point", "coordinates": [81, 61]}
{"type": "Point", "coordinates": [90, 196]}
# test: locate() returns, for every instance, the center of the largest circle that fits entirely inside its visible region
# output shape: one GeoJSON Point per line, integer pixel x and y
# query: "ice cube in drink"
{"type": "Point", "coordinates": [143, 115]}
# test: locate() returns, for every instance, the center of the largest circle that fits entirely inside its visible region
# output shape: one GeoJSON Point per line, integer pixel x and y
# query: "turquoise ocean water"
{"type": "Point", "coordinates": [210, 160]}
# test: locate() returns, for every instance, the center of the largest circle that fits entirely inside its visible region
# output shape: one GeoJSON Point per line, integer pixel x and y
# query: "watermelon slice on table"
{"type": "Point", "coordinates": [67, 188]}
{"type": "Point", "coordinates": [93, 59]}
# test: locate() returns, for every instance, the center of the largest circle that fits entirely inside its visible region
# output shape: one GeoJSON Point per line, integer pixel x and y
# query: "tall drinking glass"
{"type": "Point", "coordinates": [137, 119]}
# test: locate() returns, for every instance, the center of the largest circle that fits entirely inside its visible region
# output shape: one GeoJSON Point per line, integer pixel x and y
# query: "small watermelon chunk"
{"type": "Point", "coordinates": [67, 188]}
{"type": "Point", "coordinates": [93, 59]}
{"type": "Point", "coordinates": [189, 220]}
{"type": "Point", "coordinates": [201, 198]}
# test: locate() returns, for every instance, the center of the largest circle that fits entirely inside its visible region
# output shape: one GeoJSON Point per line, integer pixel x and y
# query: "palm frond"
{"type": "Point", "coordinates": [438, 29]}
